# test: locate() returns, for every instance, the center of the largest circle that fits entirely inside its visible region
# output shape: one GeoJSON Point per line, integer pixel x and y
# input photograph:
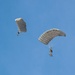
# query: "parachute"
{"type": "Point", "coordinates": [48, 35]}
{"type": "Point", "coordinates": [21, 25]}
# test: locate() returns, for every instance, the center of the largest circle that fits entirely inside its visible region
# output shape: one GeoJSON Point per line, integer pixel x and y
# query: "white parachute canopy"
{"type": "Point", "coordinates": [21, 25]}
{"type": "Point", "coordinates": [47, 36]}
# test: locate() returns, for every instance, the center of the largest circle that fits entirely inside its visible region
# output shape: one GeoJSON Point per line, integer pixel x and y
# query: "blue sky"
{"type": "Point", "coordinates": [24, 54]}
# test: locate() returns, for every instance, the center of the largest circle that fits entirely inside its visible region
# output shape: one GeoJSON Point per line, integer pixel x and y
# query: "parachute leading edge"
{"type": "Point", "coordinates": [47, 36]}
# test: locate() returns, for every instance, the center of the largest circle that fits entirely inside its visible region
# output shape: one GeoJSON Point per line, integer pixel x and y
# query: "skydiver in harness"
{"type": "Point", "coordinates": [18, 33]}
{"type": "Point", "coordinates": [50, 52]}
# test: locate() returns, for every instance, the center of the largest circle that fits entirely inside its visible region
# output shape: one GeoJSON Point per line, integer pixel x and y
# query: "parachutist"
{"type": "Point", "coordinates": [50, 52]}
{"type": "Point", "coordinates": [18, 33]}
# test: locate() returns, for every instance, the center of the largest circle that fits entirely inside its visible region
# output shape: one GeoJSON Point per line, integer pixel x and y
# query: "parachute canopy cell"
{"type": "Point", "coordinates": [21, 25]}
{"type": "Point", "coordinates": [48, 35]}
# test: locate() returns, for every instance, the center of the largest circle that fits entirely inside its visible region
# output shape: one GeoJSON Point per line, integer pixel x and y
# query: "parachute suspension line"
{"type": "Point", "coordinates": [50, 45]}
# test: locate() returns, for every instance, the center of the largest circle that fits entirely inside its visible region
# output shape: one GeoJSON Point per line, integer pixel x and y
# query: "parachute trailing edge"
{"type": "Point", "coordinates": [48, 35]}
{"type": "Point", "coordinates": [21, 25]}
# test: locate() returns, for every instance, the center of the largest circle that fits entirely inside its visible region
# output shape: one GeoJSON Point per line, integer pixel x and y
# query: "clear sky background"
{"type": "Point", "coordinates": [24, 54]}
